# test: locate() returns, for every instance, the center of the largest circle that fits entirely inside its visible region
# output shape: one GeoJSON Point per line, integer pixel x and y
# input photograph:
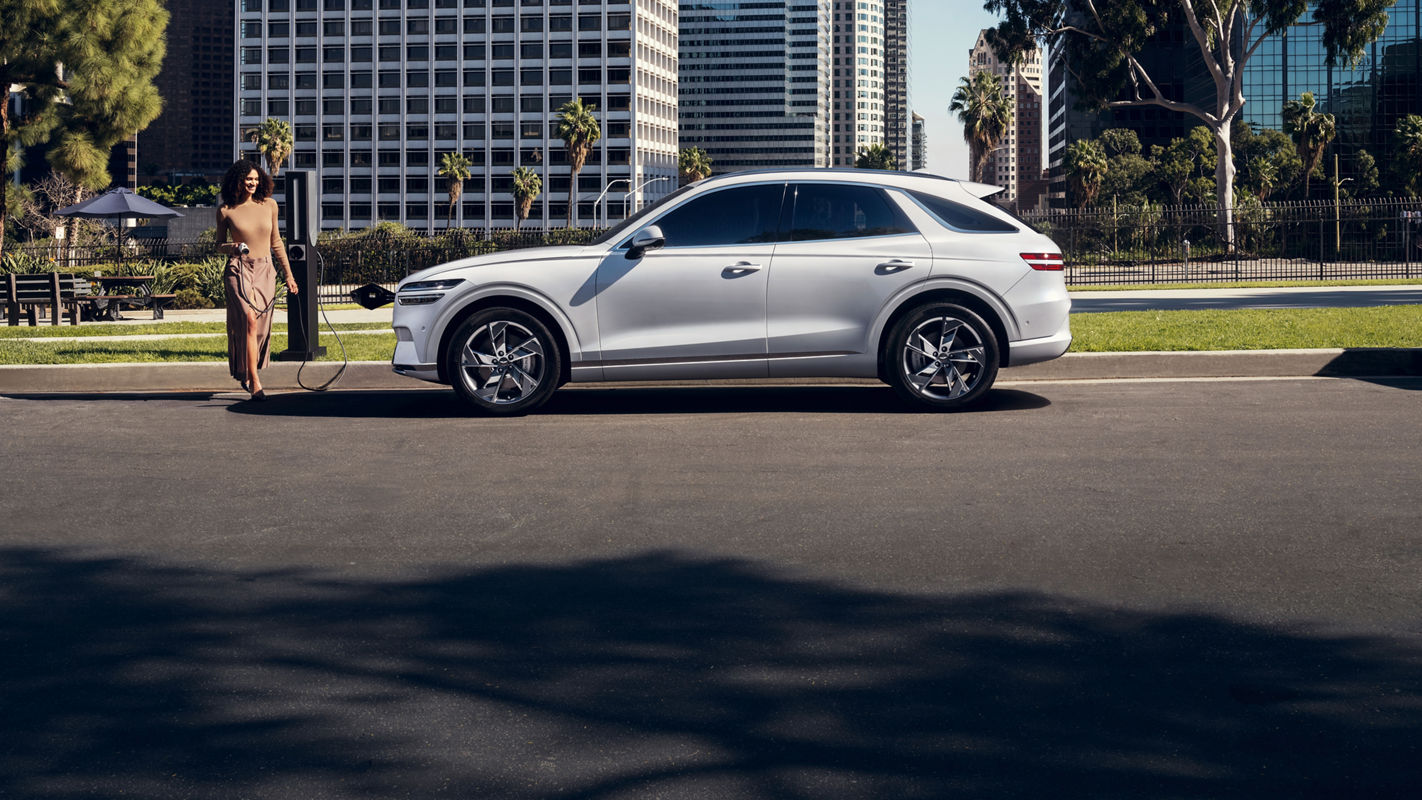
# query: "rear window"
{"type": "Point", "coordinates": [960, 217]}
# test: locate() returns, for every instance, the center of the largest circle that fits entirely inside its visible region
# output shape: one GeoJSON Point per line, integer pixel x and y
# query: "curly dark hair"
{"type": "Point", "coordinates": [232, 182]}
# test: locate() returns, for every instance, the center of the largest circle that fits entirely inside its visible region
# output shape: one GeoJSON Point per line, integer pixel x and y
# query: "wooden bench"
{"type": "Point", "coordinates": [62, 294]}
{"type": "Point", "coordinates": [28, 294]}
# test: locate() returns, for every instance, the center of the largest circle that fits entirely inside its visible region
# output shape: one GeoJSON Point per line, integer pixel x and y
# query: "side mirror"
{"type": "Point", "coordinates": [649, 238]}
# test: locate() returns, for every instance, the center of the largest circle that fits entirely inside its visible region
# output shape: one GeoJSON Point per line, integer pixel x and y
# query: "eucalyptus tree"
{"type": "Point", "coordinates": [84, 70]}
{"type": "Point", "coordinates": [1311, 131]}
{"type": "Point", "coordinates": [578, 129]}
{"type": "Point", "coordinates": [985, 109]}
{"type": "Point", "coordinates": [1102, 41]}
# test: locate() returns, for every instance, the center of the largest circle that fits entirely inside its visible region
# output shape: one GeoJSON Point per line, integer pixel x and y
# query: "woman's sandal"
{"type": "Point", "coordinates": [260, 395]}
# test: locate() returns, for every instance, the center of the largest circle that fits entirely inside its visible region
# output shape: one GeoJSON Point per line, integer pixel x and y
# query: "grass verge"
{"type": "Point", "coordinates": [1247, 329]}
{"type": "Point", "coordinates": [1121, 331]}
{"type": "Point", "coordinates": [1139, 287]}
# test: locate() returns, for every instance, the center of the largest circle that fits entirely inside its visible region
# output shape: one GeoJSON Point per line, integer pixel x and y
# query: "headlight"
{"type": "Point", "coordinates": [431, 286]}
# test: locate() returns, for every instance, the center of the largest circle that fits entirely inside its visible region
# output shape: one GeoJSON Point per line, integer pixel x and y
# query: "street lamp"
{"type": "Point", "coordinates": [638, 188]}
{"type": "Point", "coordinates": [609, 185]}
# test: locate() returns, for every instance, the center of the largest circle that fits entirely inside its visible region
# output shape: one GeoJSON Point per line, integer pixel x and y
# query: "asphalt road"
{"type": "Point", "coordinates": [1133, 589]}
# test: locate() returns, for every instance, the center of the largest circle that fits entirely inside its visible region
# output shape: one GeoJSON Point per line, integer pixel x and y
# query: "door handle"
{"type": "Point", "coordinates": [892, 265]}
{"type": "Point", "coordinates": [740, 268]}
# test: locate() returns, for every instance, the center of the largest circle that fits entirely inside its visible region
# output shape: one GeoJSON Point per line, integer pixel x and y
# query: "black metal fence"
{"type": "Point", "coordinates": [1126, 244]}
{"type": "Point", "coordinates": [1280, 241]}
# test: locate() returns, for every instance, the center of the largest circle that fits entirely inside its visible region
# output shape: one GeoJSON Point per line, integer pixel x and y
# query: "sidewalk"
{"type": "Point", "coordinates": [283, 376]}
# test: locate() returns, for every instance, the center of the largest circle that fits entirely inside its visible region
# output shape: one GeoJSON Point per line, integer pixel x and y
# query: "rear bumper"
{"type": "Point", "coordinates": [1031, 351]}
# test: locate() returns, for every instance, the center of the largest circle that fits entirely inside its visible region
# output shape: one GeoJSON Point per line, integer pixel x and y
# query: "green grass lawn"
{"type": "Point", "coordinates": [155, 328]}
{"type": "Point", "coordinates": [1242, 329]}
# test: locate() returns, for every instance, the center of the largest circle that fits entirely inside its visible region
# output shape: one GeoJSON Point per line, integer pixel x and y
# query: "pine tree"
{"type": "Point", "coordinates": [85, 70]}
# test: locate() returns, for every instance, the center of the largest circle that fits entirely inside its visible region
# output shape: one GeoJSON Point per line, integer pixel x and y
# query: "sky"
{"type": "Point", "coordinates": [942, 33]}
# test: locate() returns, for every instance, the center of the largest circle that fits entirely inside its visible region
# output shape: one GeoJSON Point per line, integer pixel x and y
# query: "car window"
{"type": "Point", "coordinates": [738, 215]}
{"type": "Point", "coordinates": [960, 217]}
{"type": "Point", "coordinates": [838, 211]}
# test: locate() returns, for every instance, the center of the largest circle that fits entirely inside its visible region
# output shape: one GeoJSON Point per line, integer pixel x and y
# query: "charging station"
{"type": "Point", "coordinates": [303, 223]}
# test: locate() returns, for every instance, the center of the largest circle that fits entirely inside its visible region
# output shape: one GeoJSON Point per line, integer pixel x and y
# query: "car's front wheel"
{"type": "Point", "coordinates": [942, 356]}
{"type": "Point", "coordinates": [503, 362]}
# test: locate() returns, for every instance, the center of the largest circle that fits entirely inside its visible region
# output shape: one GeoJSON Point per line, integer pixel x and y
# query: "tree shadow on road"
{"type": "Point", "coordinates": [667, 675]}
{"type": "Point", "coordinates": [632, 400]}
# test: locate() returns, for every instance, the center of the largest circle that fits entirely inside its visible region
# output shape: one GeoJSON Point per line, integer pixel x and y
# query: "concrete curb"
{"type": "Point", "coordinates": [211, 376]}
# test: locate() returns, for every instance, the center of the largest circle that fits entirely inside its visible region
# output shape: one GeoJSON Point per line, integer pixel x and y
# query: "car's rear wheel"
{"type": "Point", "coordinates": [503, 362]}
{"type": "Point", "coordinates": [942, 356]}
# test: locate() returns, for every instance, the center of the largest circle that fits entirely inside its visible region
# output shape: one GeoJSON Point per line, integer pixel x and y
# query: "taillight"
{"type": "Point", "coordinates": [1043, 261]}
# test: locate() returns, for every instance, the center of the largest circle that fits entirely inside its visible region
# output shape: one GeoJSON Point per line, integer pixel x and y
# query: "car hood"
{"type": "Point", "coordinates": [529, 254]}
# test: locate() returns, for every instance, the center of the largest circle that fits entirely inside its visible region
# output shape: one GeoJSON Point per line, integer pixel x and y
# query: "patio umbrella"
{"type": "Point", "coordinates": [118, 204]}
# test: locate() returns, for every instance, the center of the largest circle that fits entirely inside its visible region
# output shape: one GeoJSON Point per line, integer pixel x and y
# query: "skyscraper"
{"type": "Point", "coordinates": [897, 113]}
{"type": "Point", "coordinates": [860, 78]}
{"type": "Point", "coordinates": [918, 150]}
{"type": "Point", "coordinates": [378, 90]}
{"type": "Point", "coordinates": [1016, 162]}
{"type": "Point", "coordinates": [754, 82]}
{"type": "Point", "coordinates": [193, 136]}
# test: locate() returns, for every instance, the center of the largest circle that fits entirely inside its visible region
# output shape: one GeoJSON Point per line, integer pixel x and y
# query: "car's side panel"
{"type": "Point", "coordinates": [684, 306]}
{"type": "Point", "coordinates": [823, 293]}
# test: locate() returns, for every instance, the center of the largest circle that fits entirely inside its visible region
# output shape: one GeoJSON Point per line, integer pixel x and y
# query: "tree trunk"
{"type": "Point", "coordinates": [4, 160]}
{"type": "Point", "coordinates": [1224, 185]}
{"type": "Point", "coordinates": [572, 196]}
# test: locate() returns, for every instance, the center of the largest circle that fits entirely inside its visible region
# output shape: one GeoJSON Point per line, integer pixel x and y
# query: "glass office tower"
{"type": "Point", "coordinates": [754, 82]}
{"type": "Point", "coordinates": [1367, 100]}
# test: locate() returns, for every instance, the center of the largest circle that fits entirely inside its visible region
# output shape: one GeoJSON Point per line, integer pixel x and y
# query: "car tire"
{"type": "Point", "coordinates": [503, 362]}
{"type": "Point", "coordinates": [941, 356]}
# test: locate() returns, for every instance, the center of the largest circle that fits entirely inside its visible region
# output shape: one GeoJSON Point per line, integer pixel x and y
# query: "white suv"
{"type": "Point", "coordinates": [910, 278]}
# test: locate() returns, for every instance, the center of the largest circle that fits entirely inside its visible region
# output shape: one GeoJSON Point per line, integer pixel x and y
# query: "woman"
{"type": "Point", "coordinates": [248, 215]}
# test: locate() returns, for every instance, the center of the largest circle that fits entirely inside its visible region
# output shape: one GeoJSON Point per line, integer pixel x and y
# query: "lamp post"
{"type": "Point", "coordinates": [609, 185]}
{"type": "Point", "coordinates": [638, 188]}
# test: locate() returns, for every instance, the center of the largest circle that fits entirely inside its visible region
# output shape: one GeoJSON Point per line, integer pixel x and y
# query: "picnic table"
{"type": "Point", "coordinates": [115, 291]}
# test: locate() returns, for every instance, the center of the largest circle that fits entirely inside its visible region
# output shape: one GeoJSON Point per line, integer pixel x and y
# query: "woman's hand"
{"type": "Point", "coordinates": [291, 286]}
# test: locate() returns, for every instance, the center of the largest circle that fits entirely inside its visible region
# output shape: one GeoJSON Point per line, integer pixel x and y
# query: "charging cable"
{"type": "Point", "coordinates": [345, 359]}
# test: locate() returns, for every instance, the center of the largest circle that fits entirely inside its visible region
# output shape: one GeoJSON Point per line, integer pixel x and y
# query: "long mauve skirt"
{"type": "Point", "coordinates": [251, 284]}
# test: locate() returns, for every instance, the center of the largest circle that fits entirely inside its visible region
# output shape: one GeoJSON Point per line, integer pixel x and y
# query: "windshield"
{"type": "Point", "coordinates": [632, 222]}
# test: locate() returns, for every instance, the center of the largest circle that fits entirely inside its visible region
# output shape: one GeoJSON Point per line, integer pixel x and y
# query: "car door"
{"type": "Point", "coordinates": [845, 250]}
{"type": "Point", "coordinates": [696, 306]}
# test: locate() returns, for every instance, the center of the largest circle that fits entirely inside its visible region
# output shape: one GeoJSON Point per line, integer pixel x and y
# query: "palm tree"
{"type": "Point", "coordinates": [1310, 130]}
{"type": "Point", "coordinates": [454, 168]}
{"type": "Point", "coordinates": [875, 156]}
{"type": "Point", "coordinates": [1266, 175]}
{"type": "Point", "coordinates": [578, 129]}
{"type": "Point", "coordinates": [985, 109]}
{"type": "Point", "coordinates": [526, 188]}
{"type": "Point", "coordinates": [1408, 135]}
{"type": "Point", "coordinates": [273, 138]}
{"type": "Point", "coordinates": [1085, 165]}
{"type": "Point", "coordinates": [694, 164]}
